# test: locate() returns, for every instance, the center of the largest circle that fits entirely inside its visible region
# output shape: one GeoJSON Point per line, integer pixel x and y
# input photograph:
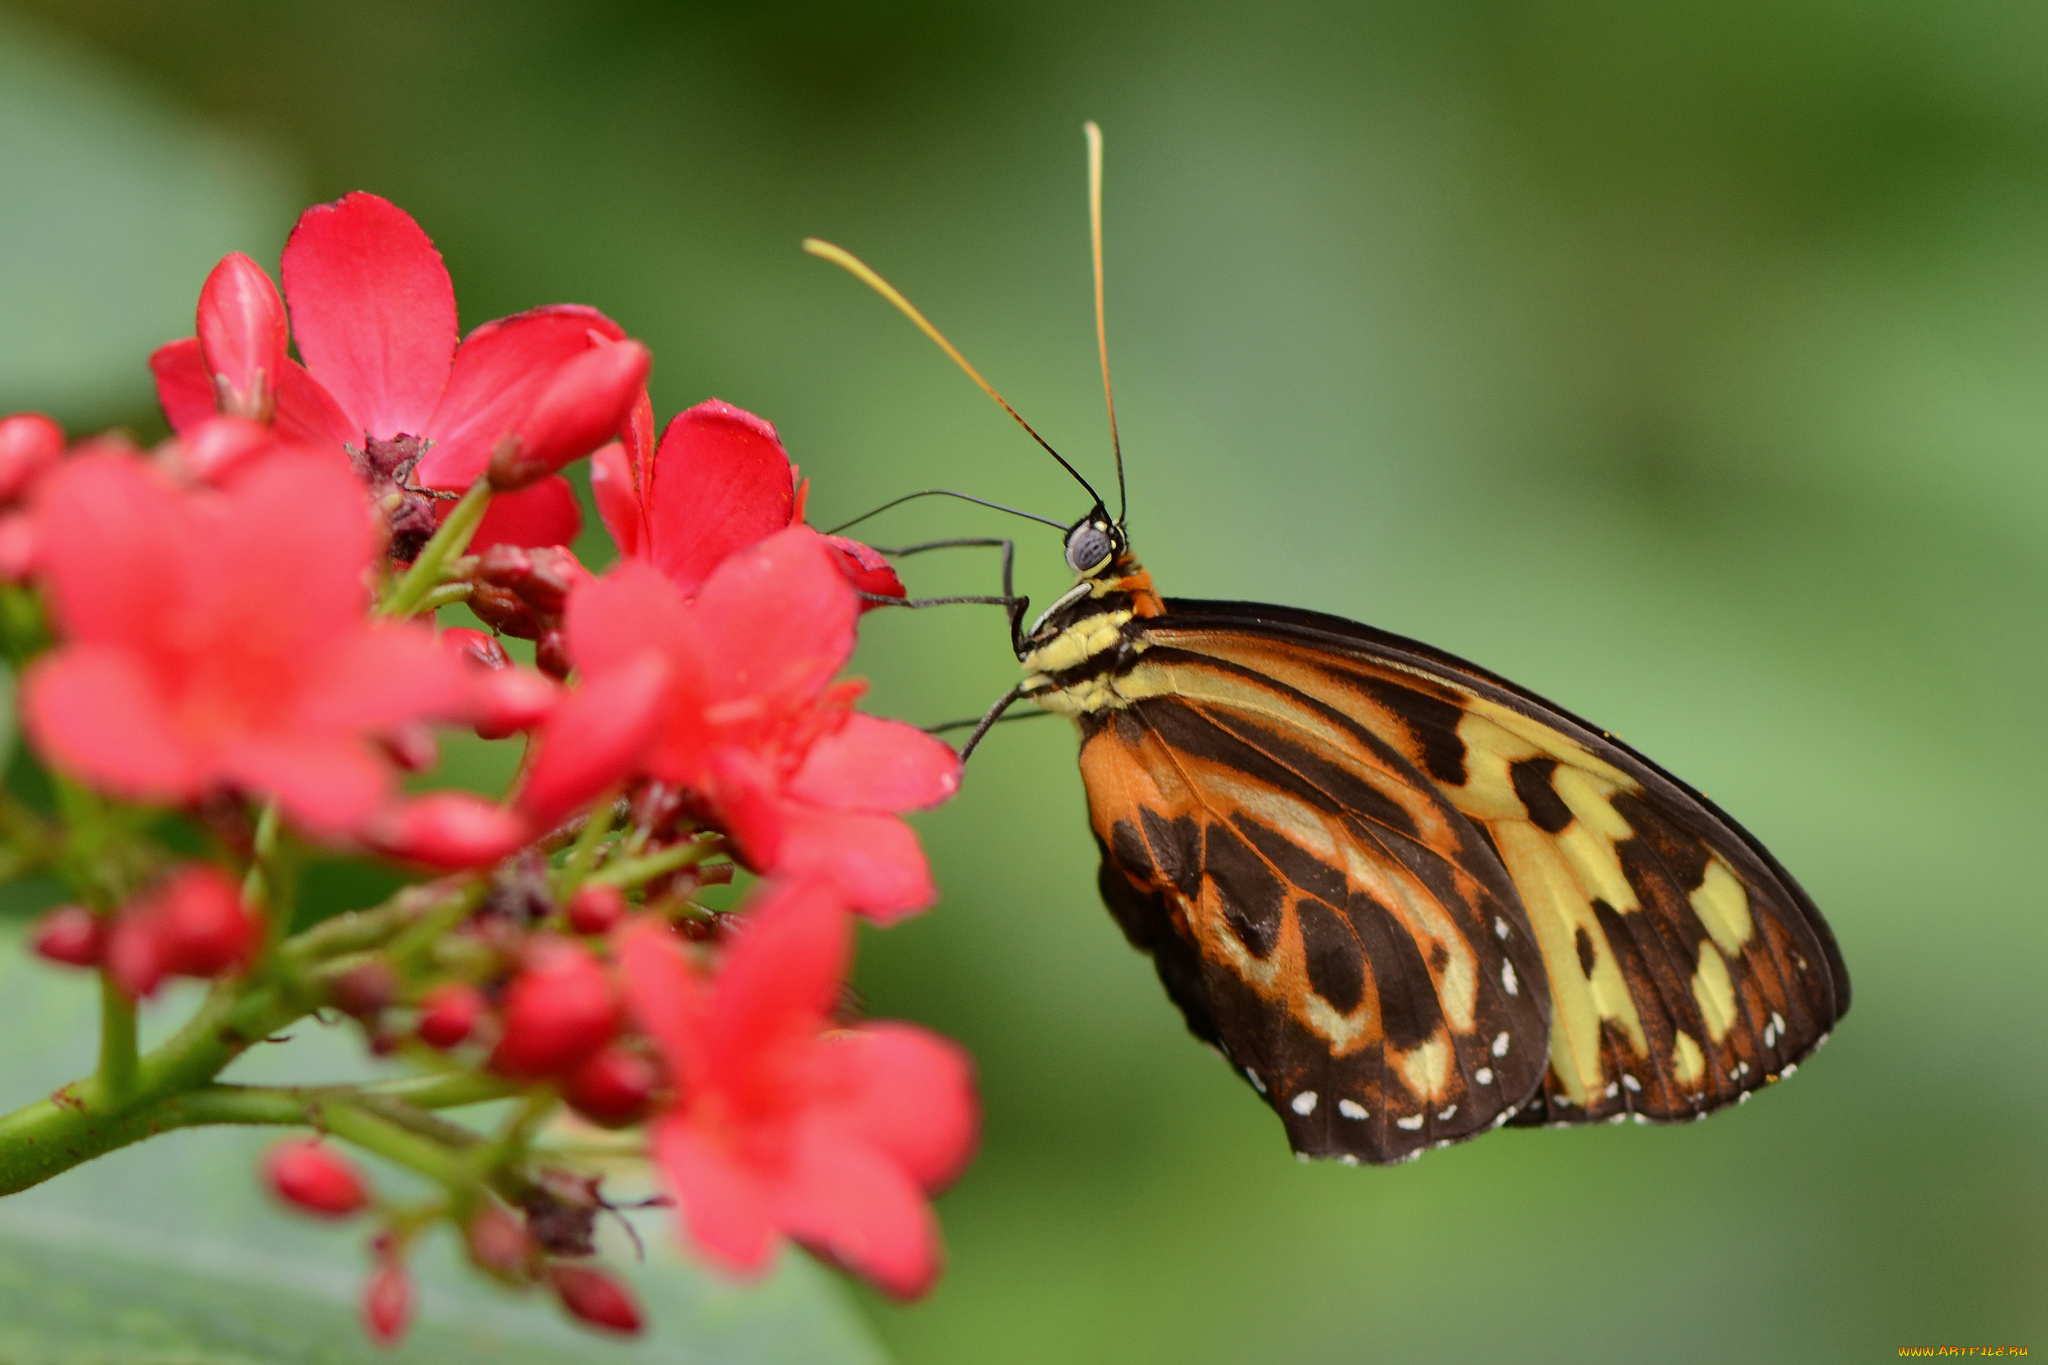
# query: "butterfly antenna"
{"type": "Point", "coordinates": [946, 493]}
{"type": "Point", "coordinates": [860, 270]}
{"type": "Point", "coordinates": [1101, 325]}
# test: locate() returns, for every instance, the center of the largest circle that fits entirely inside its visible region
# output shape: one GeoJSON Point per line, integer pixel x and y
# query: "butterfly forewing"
{"type": "Point", "coordinates": [1318, 910]}
{"type": "Point", "coordinates": [1685, 968]}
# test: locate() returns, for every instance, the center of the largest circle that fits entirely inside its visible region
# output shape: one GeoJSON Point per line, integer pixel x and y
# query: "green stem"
{"type": "Point", "coordinates": [625, 872]}
{"type": "Point", "coordinates": [116, 1074]}
{"type": "Point", "coordinates": [412, 591]}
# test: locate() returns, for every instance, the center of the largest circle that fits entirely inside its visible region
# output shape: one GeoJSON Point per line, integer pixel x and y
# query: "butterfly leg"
{"type": "Point", "coordinates": [1010, 601]}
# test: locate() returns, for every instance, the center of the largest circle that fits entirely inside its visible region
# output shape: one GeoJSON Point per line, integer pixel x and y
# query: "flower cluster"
{"type": "Point", "coordinates": [237, 636]}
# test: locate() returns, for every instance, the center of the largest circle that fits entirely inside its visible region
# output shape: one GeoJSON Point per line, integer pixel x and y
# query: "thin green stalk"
{"type": "Point", "coordinates": [410, 594]}
{"type": "Point", "coordinates": [628, 872]}
{"type": "Point", "coordinates": [583, 853]}
{"type": "Point", "coordinates": [116, 1074]}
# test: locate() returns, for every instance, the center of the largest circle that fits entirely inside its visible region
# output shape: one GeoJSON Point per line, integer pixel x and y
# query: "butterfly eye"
{"type": "Point", "coordinates": [1088, 546]}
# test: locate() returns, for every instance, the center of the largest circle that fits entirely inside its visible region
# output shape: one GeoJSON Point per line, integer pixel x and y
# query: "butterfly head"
{"type": "Point", "coordinates": [1095, 544]}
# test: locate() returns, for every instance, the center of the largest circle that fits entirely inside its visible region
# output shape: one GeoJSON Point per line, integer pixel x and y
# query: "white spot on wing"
{"type": "Point", "coordinates": [1448, 1112]}
{"type": "Point", "coordinates": [1631, 1082]}
{"type": "Point", "coordinates": [1348, 1159]}
{"type": "Point", "coordinates": [1304, 1103]}
{"type": "Point", "coordinates": [1500, 1045]}
{"type": "Point", "coordinates": [1411, 1123]}
{"type": "Point", "coordinates": [1351, 1109]}
{"type": "Point", "coordinates": [1507, 978]}
{"type": "Point", "coordinates": [1500, 927]}
{"type": "Point", "coordinates": [1484, 1075]}
{"type": "Point", "coordinates": [1613, 1089]}
{"type": "Point", "coordinates": [1253, 1077]}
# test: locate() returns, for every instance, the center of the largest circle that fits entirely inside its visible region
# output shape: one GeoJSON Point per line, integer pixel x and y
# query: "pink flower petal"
{"type": "Point", "coordinates": [594, 739]}
{"type": "Point", "coordinates": [327, 787]}
{"type": "Point", "coordinates": [381, 674]}
{"type": "Point", "coordinates": [720, 481]}
{"type": "Point", "coordinates": [873, 860]}
{"type": "Point", "coordinates": [93, 714]}
{"type": "Point", "coordinates": [667, 996]}
{"type": "Point", "coordinates": [242, 336]}
{"type": "Point", "coordinates": [853, 1206]}
{"type": "Point", "coordinates": [782, 976]}
{"type": "Point", "coordinates": [612, 620]}
{"type": "Point", "coordinates": [908, 1092]}
{"type": "Point", "coordinates": [618, 501]}
{"type": "Point", "coordinates": [183, 389]}
{"type": "Point", "coordinates": [724, 1204]}
{"type": "Point", "coordinates": [866, 568]}
{"type": "Point", "coordinates": [117, 549]}
{"type": "Point", "coordinates": [496, 373]}
{"type": "Point", "coordinates": [373, 311]}
{"type": "Point", "coordinates": [308, 512]}
{"type": "Point", "coordinates": [308, 415]}
{"type": "Point", "coordinates": [870, 763]}
{"type": "Point", "coordinates": [776, 621]}
{"type": "Point", "coordinates": [446, 830]}
{"type": "Point", "coordinates": [545, 514]}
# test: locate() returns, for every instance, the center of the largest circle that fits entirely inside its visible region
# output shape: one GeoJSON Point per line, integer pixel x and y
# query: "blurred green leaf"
{"type": "Point", "coordinates": [168, 1251]}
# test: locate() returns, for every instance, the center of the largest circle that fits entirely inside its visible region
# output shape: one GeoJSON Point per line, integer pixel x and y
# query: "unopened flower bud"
{"type": "Point", "coordinates": [207, 930]}
{"type": "Point", "coordinates": [512, 700]}
{"type": "Point", "coordinates": [551, 655]}
{"type": "Point", "coordinates": [365, 990]}
{"type": "Point", "coordinates": [611, 1087]}
{"type": "Point", "coordinates": [242, 334]}
{"type": "Point", "coordinates": [446, 830]}
{"type": "Point", "coordinates": [595, 1298]}
{"type": "Point", "coordinates": [449, 1013]}
{"type": "Point", "coordinates": [19, 545]}
{"type": "Point", "coordinates": [315, 1178]}
{"type": "Point", "coordinates": [70, 934]}
{"type": "Point", "coordinates": [387, 1302]}
{"type": "Point", "coordinates": [499, 1243]}
{"type": "Point", "coordinates": [558, 1010]}
{"type": "Point", "coordinates": [583, 405]}
{"type": "Point", "coordinates": [596, 908]}
{"type": "Point", "coordinates": [30, 445]}
{"type": "Point", "coordinates": [412, 747]}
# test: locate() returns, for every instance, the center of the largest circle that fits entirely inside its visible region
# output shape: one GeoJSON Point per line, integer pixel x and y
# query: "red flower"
{"type": "Point", "coordinates": [373, 311]}
{"type": "Point", "coordinates": [559, 1009]}
{"type": "Point", "coordinates": [718, 482]}
{"type": "Point", "coordinates": [783, 1125]}
{"type": "Point", "coordinates": [313, 1177]}
{"type": "Point", "coordinates": [730, 697]}
{"type": "Point", "coordinates": [217, 640]}
{"type": "Point", "coordinates": [193, 925]}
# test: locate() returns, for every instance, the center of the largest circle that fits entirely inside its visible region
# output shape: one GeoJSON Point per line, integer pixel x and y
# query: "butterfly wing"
{"type": "Point", "coordinates": [1685, 968]}
{"type": "Point", "coordinates": [1319, 911]}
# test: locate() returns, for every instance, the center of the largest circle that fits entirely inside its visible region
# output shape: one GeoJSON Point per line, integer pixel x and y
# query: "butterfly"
{"type": "Point", "coordinates": [1406, 899]}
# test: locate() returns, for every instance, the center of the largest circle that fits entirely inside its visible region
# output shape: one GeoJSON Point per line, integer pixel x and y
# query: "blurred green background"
{"type": "Point", "coordinates": [1687, 363]}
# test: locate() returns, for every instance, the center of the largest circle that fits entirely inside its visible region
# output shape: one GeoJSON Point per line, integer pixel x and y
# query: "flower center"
{"type": "Point", "coordinates": [386, 468]}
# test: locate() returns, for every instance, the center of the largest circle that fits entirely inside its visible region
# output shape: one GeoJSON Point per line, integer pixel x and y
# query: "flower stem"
{"type": "Point", "coordinates": [116, 1074]}
{"type": "Point", "coordinates": [412, 591]}
{"type": "Point", "coordinates": [625, 872]}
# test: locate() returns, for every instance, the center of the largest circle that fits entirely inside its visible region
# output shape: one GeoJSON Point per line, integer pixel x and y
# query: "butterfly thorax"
{"type": "Point", "coordinates": [1090, 637]}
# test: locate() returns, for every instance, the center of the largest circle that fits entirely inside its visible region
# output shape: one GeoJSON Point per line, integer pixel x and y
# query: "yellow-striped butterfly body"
{"type": "Point", "coordinates": [1407, 899]}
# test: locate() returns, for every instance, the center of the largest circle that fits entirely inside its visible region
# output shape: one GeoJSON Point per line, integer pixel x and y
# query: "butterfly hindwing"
{"type": "Point", "coordinates": [1319, 912]}
{"type": "Point", "coordinates": [1685, 968]}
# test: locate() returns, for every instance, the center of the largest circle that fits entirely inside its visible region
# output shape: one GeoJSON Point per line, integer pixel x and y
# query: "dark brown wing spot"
{"type": "Point", "coordinates": [1546, 808]}
{"type": "Point", "coordinates": [1129, 847]}
{"type": "Point", "coordinates": [1584, 941]}
{"type": "Point", "coordinates": [1336, 961]}
{"type": "Point", "coordinates": [1251, 895]}
{"type": "Point", "coordinates": [1686, 855]}
{"type": "Point", "coordinates": [1296, 863]}
{"type": "Point", "coordinates": [1433, 722]}
{"type": "Point", "coordinates": [1176, 849]}
{"type": "Point", "coordinates": [1409, 1013]}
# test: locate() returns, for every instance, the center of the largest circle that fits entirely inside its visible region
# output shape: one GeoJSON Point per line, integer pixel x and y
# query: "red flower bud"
{"type": "Point", "coordinates": [446, 830]}
{"type": "Point", "coordinates": [595, 1298]}
{"type": "Point", "coordinates": [19, 544]}
{"type": "Point", "coordinates": [412, 747]}
{"type": "Point", "coordinates": [558, 1010]}
{"type": "Point", "coordinates": [30, 444]}
{"type": "Point", "coordinates": [315, 1179]}
{"type": "Point", "coordinates": [551, 655]}
{"type": "Point", "coordinates": [364, 990]}
{"type": "Point", "coordinates": [612, 1087]}
{"type": "Point", "coordinates": [134, 953]}
{"type": "Point", "coordinates": [70, 934]}
{"type": "Point", "coordinates": [596, 908]}
{"type": "Point", "coordinates": [206, 929]}
{"type": "Point", "coordinates": [511, 700]}
{"type": "Point", "coordinates": [584, 404]}
{"type": "Point", "coordinates": [387, 1303]}
{"type": "Point", "coordinates": [499, 1243]}
{"type": "Point", "coordinates": [242, 337]}
{"type": "Point", "coordinates": [449, 1013]}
